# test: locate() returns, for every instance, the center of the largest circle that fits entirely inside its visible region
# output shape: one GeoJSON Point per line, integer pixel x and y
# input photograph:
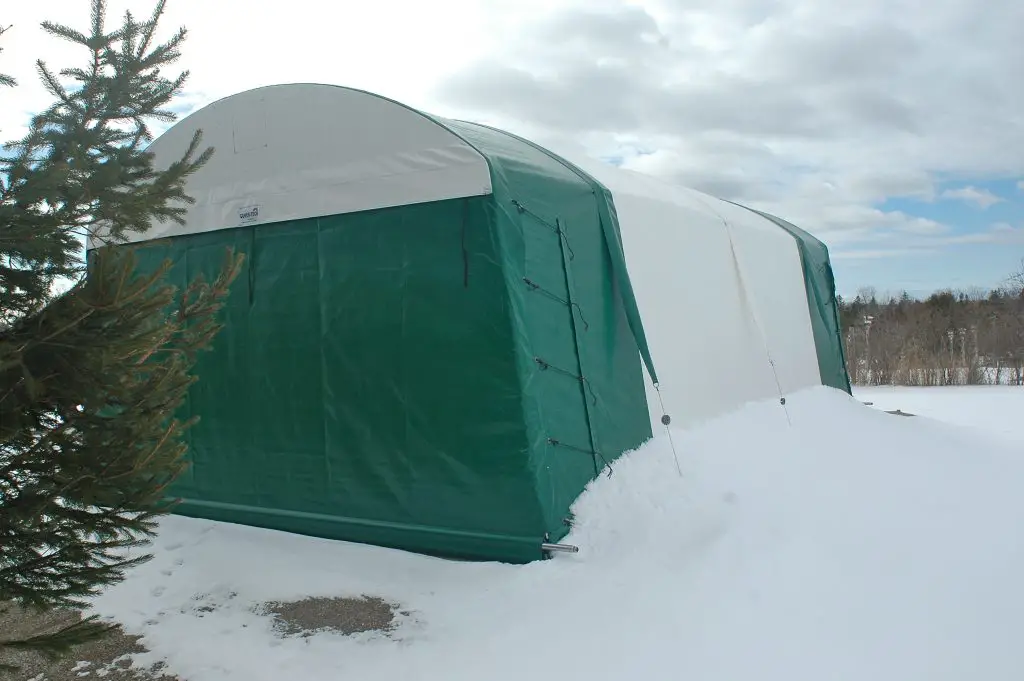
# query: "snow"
{"type": "Point", "coordinates": [820, 540]}
{"type": "Point", "coordinates": [993, 409]}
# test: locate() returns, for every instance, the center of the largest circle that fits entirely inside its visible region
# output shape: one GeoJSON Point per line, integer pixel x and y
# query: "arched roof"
{"type": "Point", "coordinates": [305, 150]}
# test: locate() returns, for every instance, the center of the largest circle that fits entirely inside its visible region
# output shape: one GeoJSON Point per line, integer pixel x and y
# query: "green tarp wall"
{"type": "Point", "coordinates": [444, 377]}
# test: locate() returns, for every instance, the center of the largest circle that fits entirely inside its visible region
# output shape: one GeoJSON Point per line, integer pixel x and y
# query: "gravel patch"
{"type": "Point", "coordinates": [344, 615]}
{"type": "Point", "coordinates": [109, 658]}
{"type": "Point", "coordinates": [103, 659]}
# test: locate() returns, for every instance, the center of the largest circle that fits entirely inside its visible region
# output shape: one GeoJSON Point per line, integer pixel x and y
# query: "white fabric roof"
{"type": "Point", "coordinates": [306, 150]}
{"type": "Point", "coordinates": [712, 320]}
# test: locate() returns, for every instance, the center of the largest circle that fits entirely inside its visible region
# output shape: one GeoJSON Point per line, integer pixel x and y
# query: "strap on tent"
{"type": "Point", "coordinates": [567, 256]}
{"type": "Point", "coordinates": [613, 239]}
{"type": "Point", "coordinates": [751, 308]}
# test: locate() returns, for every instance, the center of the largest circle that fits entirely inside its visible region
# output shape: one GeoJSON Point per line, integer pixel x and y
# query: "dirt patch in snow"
{"type": "Point", "coordinates": [107, 658]}
{"type": "Point", "coordinates": [343, 615]}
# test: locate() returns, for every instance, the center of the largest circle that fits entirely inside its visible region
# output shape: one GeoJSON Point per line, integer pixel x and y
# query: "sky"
{"type": "Point", "coordinates": [892, 130]}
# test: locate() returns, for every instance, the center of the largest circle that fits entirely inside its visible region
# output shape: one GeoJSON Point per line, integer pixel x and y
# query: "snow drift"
{"type": "Point", "coordinates": [823, 540]}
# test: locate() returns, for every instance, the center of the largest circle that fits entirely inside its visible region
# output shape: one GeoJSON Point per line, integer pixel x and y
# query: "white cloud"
{"type": "Point", "coordinates": [1005, 233]}
{"type": "Point", "coordinates": [812, 111]}
{"type": "Point", "coordinates": [982, 197]}
{"type": "Point", "coordinates": [865, 254]}
{"type": "Point", "coordinates": [392, 47]}
{"type": "Point", "coordinates": [818, 112]}
{"type": "Point", "coordinates": [1020, 185]}
{"type": "Point", "coordinates": [899, 242]}
{"type": "Point", "coordinates": [997, 233]}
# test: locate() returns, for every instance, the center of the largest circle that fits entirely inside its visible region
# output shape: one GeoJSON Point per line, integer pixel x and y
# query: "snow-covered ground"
{"type": "Point", "coordinates": [835, 542]}
{"type": "Point", "coordinates": [998, 410]}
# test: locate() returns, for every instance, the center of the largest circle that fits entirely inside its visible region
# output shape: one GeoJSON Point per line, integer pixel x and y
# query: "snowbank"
{"type": "Point", "coordinates": [850, 545]}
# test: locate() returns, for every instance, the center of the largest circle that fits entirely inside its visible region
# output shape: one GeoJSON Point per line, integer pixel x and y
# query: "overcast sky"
{"type": "Point", "coordinates": [892, 130]}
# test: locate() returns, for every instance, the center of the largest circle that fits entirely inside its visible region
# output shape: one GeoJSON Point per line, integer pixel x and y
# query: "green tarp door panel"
{"type": "Point", "coordinates": [535, 194]}
{"type": "Point", "coordinates": [365, 386]}
{"type": "Point", "coordinates": [423, 402]}
{"type": "Point", "coordinates": [554, 385]}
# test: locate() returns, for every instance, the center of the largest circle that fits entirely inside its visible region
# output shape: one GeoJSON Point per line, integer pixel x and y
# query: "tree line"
{"type": "Point", "coordinates": [949, 338]}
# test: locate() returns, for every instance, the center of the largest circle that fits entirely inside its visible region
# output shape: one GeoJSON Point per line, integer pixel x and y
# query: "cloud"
{"type": "Point", "coordinates": [355, 44]}
{"type": "Point", "coordinates": [811, 111]}
{"type": "Point", "coordinates": [881, 254]}
{"type": "Point", "coordinates": [817, 112]}
{"type": "Point", "coordinates": [982, 197]}
{"type": "Point", "coordinates": [996, 233]}
{"type": "Point", "coordinates": [1005, 233]}
{"type": "Point", "coordinates": [1020, 185]}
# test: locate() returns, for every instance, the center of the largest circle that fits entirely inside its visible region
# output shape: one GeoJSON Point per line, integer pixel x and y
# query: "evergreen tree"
{"type": "Point", "coordinates": [91, 379]}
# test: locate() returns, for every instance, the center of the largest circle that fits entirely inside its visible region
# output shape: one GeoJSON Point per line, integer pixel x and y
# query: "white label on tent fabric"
{"type": "Point", "coordinates": [248, 215]}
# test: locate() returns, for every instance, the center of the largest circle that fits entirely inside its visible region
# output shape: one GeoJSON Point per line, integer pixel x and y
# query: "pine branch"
{"type": "Point", "coordinates": [107, 116]}
{"type": "Point", "coordinates": [95, 513]}
{"type": "Point", "coordinates": [6, 81]}
{"type": "Point", "coordinates": [54, 645]}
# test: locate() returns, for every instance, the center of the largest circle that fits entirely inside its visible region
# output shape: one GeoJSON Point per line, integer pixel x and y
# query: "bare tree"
{"type": "Point", "coordinates": [965, 337]}
{"type": "Point", "coordinates": [1016, 280]}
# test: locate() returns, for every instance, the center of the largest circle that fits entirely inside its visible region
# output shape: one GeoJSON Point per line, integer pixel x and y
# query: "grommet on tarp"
{"type": "Point", "coordinates": [665, 421]}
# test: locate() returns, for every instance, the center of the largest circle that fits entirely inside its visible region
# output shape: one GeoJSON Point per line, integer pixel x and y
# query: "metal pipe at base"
{"type": "Point", "coordinates": [565, 548]}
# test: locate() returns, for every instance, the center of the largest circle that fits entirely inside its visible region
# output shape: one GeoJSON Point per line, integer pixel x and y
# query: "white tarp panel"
{"type": "Point", "coordinates": [289, 152]}
{"type": "Point", "coordinates": [712, 320]}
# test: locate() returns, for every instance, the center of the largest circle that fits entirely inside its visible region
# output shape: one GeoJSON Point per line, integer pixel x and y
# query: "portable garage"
{"type": "Point", "coordinates": [441, 335]}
